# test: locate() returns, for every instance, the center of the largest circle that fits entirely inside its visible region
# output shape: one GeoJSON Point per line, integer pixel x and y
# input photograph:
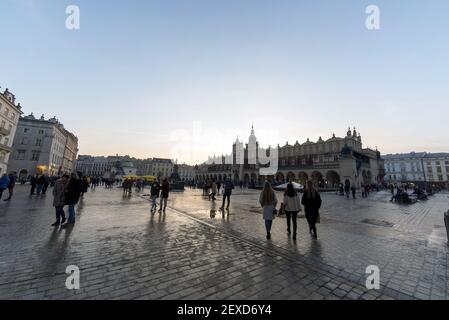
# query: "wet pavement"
{"type": "Point", "coordinates": [193, 251]}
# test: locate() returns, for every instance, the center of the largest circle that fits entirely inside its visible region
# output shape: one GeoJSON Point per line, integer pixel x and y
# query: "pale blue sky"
{"type": "Point", "coordinates": [140, 75]}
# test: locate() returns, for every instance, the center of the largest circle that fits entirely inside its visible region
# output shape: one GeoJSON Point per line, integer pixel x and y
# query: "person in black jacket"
{"type": "Point", "coordinates": [165, 189]}
{"type": "Point", "coordinates": [33, 181]}
{"type": "Point", "coordinates": [155, 189]}
{"type": "Point", "coordinates": [311, 201]}
{"type": "Point", "coordinates": [72, 196]}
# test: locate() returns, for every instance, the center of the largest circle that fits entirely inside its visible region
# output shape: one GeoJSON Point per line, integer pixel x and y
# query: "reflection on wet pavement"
{"type": "Point", "coordinates": [196, 251]}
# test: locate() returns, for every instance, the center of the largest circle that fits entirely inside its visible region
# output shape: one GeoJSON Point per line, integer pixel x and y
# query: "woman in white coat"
{"type": "Point", "coordinates": [291, 205]}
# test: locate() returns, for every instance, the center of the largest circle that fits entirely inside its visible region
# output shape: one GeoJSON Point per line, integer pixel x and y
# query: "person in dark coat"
{"type": "Point", "coordinates": [311, 201]}
{"type": "Point", "coordinates": [72, 196]}
{"type": "Point", "coordinates": [228, 187]}
{"type": "Point", "coordinates": [46, 184]}
{"type": "Point", "coordinates": [40, 183]}
{"type": "Point", "coordinates": [155, 189]}
{"type": "Point", "coordinates": [33, 181]}
{"type": "Point", "coordinates": [59, 199]}
{"type": "Point", "coordinates": [165, 189]}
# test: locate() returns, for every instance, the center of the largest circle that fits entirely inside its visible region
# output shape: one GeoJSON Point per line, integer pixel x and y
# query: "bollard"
{"type": "Point", "coordinates": [446, 223]}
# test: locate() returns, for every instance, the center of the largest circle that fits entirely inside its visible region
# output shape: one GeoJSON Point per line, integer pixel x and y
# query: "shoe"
{"type": "Point", "coordinates": [7, 199]}
{"type": "Point", "coordinates": [63, 220]}
{"type": "Point", "coordinates": [268, 235]}
{"type": "Point", "coordinates": [56, 223]}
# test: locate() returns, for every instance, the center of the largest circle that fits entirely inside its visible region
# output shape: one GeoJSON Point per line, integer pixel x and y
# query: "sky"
{"type": "Point", "coordinates": [183, 78]}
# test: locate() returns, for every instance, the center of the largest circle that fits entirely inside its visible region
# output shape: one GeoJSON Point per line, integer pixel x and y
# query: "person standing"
{"type": "Point", "coordinates": [228, 186]}
{"type": "Point", "coordinates": [311, 201]}
{"type": "Point", "coordinates": [291, 205]}
{"type": "Point", "coordinates": [72, 196]}
{"type": "Point", "coordinates": [12, 184]}
{"type": "Point", "coordinates": [155, 188]}
{"type": "Point", "coordinates": [268, 201]}
{"type": "Point", "coordinates": [4, 184]}
{"type": "Point", "coordinates": [165, 189]}
{"type": "Point", "coordinates": [59, 199]}
{"type": "Point", "coordinates": [214, 191]}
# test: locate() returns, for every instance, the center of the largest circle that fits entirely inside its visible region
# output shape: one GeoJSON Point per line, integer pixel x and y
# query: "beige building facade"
{"type": "Point", "coordinates": [9, 119]}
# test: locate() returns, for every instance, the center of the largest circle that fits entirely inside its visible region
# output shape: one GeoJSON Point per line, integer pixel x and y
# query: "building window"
{"type": "Point", "coordinates": [41, 132]}
{"type": "Point", "coordinates": [26, 130]}
{"type": "Point", "coordinates": [35, 155]}
{"type": "Point", "coordinates": [24, 141]}
{"type": "Point", "coordinates": [38, 142]}
{"type": "Point", "coordinates": [20, 155]}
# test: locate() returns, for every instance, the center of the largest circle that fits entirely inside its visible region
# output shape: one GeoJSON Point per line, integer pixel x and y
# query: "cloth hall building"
{"type": "Point", "coordinates": [326, 162]}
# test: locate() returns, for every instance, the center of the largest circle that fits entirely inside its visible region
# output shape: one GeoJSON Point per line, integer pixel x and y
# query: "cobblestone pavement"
{"type": "Point", "coordinates": [192, 252]}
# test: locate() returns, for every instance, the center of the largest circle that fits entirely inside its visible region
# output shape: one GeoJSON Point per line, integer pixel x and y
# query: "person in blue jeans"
{"type": "Point", "coordinates": [72, 196]}
{"type": "Point", "coordinates": [268, 201]}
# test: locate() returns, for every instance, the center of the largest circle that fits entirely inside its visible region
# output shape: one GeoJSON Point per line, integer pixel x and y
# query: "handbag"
{"type": "Point", "coordinates": [281, 210]}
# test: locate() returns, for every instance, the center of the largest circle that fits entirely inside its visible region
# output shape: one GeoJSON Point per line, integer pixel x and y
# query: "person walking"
{"type": "Point", "coordinates": [46, 183]}
{"type": "Point", "coordinates": [213, 192]}
{"type": "Point", "coordinates": [347, 187]}
{"type": "Point", "coordinates": [228, 186]}
{"type": "Point", "coordinates": [11, 185]}
{"type": "Point", "coordinates": [72, 196]}
{"type": "Point", "coordinates": [268, 201]}
{"type": "Point", "coordinates": [40, 184]}
{"type": "Point", "coordinates": [291, 205]}
{"type": "Point", "coordinates": [311, 201]}
{"type": "Point", "coordinates": [33, 182]}
{"type": "Point", "coordinates": [155, 188]}
{"type": "Point", "coordinates": [4, 183]}
{"type": "Point", "coordinates": [59, 199]}
{"type": "Point", "coordinates": [84, 185]}
{"type": "Point", "coordinates": [218, 187]}
{"type": "Point", "coordinates": [165, 189]}
{"type": "Point", "coordinates": [353, 191]}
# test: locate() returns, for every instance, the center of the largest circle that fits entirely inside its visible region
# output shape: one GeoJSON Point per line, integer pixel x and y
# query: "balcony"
{"type": "Point", "coordinates": [4, 131]}
{"type": "Point", "coordinates": [4, 147]}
